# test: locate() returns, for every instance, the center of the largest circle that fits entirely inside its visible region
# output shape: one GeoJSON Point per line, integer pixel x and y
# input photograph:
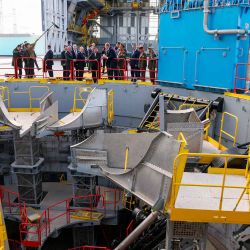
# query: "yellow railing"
{"type": "Point", "coordinates": [178, 170]}
{"type": "Point", "coordinates": [78, 92]}
{"type": "Point", "coordinates": [222, 131]}
{"type": "Point", "coordinates": [128, 201]}
{"type": "Point", "coordinates": [5, 95]}
{"type": "Point", "coordinates": [111, 106]}
{"type": "Point", "coordinates": [30, 93]}
{"type": "Point", "coordinates": [126, 158]}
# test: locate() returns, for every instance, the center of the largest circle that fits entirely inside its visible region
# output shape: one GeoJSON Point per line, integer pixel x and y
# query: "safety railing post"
{"type": "Point", "coordinates": [223, 184]}
{"type": "Point", "coordinates": [15, 68]}
{"type": "Point", "coordinates": [72, 76]}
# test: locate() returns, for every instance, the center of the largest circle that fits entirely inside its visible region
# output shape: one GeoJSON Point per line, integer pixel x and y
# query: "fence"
{"type": "Point", "coordinates": [32, 233]}
{"type": "Point", "coordinates": [117, 69]}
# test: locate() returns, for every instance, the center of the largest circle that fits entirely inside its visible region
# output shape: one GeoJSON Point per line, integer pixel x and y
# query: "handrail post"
{"type": "Point", "coordinates": [72, 70]}
{"type": "Point", "coordinates": [126, 159]}
{"type": "Point", "coordinates": [223, 184]}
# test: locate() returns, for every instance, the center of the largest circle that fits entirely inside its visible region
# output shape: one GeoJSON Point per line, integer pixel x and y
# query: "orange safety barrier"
{"type": "Point", "coordinates": [29, 64]}
{"type": "Point", "coordinates": [89, 248]}
{"type": "Point", "coordinates": [242, 80]}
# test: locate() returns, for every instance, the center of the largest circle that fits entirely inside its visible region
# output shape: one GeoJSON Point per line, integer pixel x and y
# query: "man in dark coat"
{"type": "Point", "coordinates": [63, 62]}
{"type": "Point", "coordinates": [69, 58]}
{"type": "Point", "coordinates": [74, 53]}
{"type": "Point", "coordinates": [134, 61]}
{"type": "Point", "coordinates": [95, 59]}
{"type": "Point", "coordinates": [48, 61]}
{"type": "Point", "coordinates": [17, 61]}
{"type": "Point", "coordinates": [111, 62]}
{"type": "Point", "coordinates": [81, 63]}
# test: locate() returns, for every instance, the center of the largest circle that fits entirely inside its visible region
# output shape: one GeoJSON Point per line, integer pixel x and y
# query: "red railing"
{"type": "Point", "coordinates": [141, 70]}
{"type": "Point", "coordinates": [89, 248]}
{"type": "Point", "coordinates": [130, 227]}
{"type": "Point", "coordinates": [241, 80]}
{"type": "Point", "coordinates": [120, 69]}
{"type": "Point", "coordinates": [10, 201]}
{"type": "Point", "coordinates": [32, 67]}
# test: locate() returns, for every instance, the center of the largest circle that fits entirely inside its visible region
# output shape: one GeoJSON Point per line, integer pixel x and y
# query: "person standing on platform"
{"type": "Point", "coordinates": [121, 62]}
{"type": "Point", "coordinates": [74, 53]}
{"type": "Point", "coordinates": [95, 59]}
{"type": "Point", "coordinates": [81, 63]}
{"type": "Point", "coordinates": [152, 64]}
{"type": "Point", "coordinates": [48, 61]}
{"type": "Point", "coordinates": [17, 61]}
{"type": "Point", "coordinates": [69, 58]}
{"type": "Point", "coordinates": [111, 61]}
{"type": "Point", "coordinates": [134, 61]}
{"type": "Point", "coordinates": [63, 62]}
{"type": "Point", "coordinates": [142, 63]}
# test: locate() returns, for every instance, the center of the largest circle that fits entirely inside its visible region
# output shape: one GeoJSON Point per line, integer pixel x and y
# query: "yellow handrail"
{"type": "Point", "coordinates": [5, 97]}
{"type": "Point", "coordinates": [78, 91]}
{"type": "Point", "coordinates": [111, 106]}
{"type": "Point", "coordinates": [222, 131]}
{"type": "Point", "coordinates": [31, 99]}
{"type": "Point", "coordinates": [126, 159]}
{"type": "Point", "coordinates": [178, 171]}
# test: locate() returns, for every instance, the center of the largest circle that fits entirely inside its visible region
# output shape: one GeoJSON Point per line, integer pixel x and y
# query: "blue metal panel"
{"type": "Point", "coordinates": [193, 58]}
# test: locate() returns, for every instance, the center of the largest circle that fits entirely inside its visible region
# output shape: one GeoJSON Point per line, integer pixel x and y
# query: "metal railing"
{"type": "Point", "coordinates": [110, 106]}
{"type": "Point", "coordinates": [179, 167]}
{"type": "Point", "coordinates": [78, 97]}
{"type": "Point", "coordinates": [242, 78]}
{"type": "Point", "coordinates": [76, 69]}
{"type": "Point", "coordinates": [179, 5]}
{"type": "Point", "coordinates": [32, 234]}
{"type": "Point", "coordinates": [222, 131]}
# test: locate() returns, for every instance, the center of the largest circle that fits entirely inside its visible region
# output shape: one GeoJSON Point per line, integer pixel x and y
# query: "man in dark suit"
{"type": "Point", "coordinates": [95, 59]}
{"type": "Point", "coordinates": [69, 58]}
{"type": "Point", "coordinates": [134, 61]}
{"type": "Point", "coordinates": [48, 59]}
{"type": "Point", "coordinates": [63, 62]}
{"type": "Point", "coordinates": [17, 61]}
{"type": "Point", "coordinates": [74, 53]}
{"type": "Point", "coordinates": [81, 63]}
{"type": "Point", "coordinates": [111, 61]}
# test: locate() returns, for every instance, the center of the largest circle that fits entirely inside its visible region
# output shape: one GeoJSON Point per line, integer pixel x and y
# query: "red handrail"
{"type": "Point", "coordinates": [241, 78]}
{"type": "Point", "coordinates": [31, 234]}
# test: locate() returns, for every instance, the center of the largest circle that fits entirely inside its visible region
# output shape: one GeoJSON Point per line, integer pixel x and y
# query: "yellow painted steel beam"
{"type": "Point", "coordinates": [230, 171]}
{"type": "Point", "coordinates": [238, 96]}
{"type": "Point", "coordinates": [24, 110]}
{"type": "Point", "coordinates": [210, 216]}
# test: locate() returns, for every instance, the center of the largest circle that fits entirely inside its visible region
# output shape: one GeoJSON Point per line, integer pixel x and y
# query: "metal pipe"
{"type": "Point", "coordinates": [219, 32]}
{"type": "Point", "coordinates": [137, 231]}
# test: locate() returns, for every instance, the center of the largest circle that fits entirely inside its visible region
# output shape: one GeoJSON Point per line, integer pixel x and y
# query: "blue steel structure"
{"type": "Point", "coordinates": [191, 58]}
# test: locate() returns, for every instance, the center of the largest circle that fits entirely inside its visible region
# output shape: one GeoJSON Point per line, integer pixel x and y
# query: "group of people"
{"type": "Point", "coordinates": [24, 56]}
{"type": "Point", "coordinates": [115, 60]}
{"type": "Point", "coordinates": [74, 60]}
